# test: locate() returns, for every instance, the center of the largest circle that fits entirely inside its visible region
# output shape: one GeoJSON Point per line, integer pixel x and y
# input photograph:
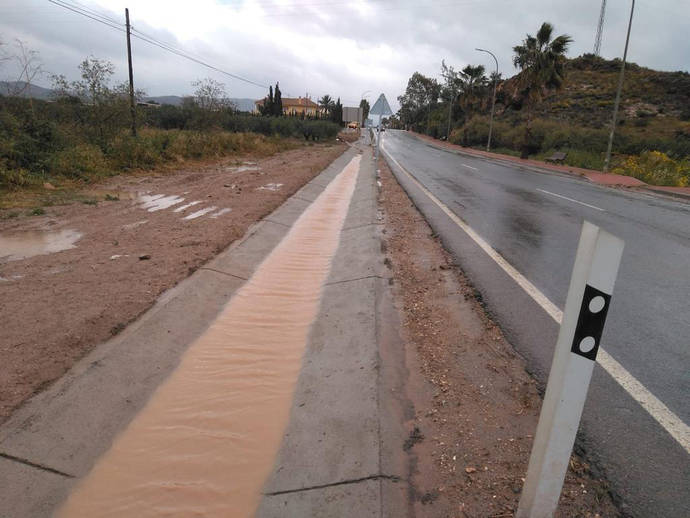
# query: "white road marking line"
{"type": "Point", "coordinates": [469, 167]}
{"type": "Point", "coordinates": [660, 412]}
{"type": "Point", "coordinates": [570, 199]}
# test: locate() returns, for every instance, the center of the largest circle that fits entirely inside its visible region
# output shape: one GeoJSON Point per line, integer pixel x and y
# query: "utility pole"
{"type": "Point", "coordinates": [493, 100]}
{"type": "Point", "coordinates": [132, 104]}
{"type": "Point", "coordinates": [600, 28]}
{"type": "Point", "coordinates": [607, 160]}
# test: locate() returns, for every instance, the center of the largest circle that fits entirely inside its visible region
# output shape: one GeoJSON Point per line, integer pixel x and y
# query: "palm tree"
{"type": "Point", "coordinates": [542, 64]}
{"type": "Point", "coordinates": [326, 103]}
{"type": "Point", "coordinates": [472, 82]}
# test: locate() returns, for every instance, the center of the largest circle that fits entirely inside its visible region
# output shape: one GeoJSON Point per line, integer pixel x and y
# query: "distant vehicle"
{"type": "Point", "coordinates": [353, 125]}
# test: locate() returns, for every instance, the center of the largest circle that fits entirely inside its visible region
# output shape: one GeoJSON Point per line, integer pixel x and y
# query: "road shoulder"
{"type": "Point", "coordinates": [475, 406]}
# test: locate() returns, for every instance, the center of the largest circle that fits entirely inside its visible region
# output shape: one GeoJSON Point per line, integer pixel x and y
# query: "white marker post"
{"type": "Point", "coordinates": [591, 286]}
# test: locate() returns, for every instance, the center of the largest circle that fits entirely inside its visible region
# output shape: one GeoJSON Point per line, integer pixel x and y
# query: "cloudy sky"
{"type": "Point", "coordinates": [343, 48]}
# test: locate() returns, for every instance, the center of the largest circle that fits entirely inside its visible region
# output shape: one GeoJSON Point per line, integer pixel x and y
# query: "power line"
{"type": "Point", "coordinates": [186, 56]}
{"type": "Point", "coordinates": [77, 10]}
{"type": "Point", "coordinates": [149, 39]}
{"type": "Point", "coordinates": [86, 8]}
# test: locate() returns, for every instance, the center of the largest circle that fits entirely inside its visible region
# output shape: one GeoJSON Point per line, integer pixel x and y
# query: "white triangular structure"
{"type": "Point", "coordinates": [381, 109]}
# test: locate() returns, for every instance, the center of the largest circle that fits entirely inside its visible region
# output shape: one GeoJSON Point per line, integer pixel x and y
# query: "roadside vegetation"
{"type": "Point", "coordinates": [558, 104]}
{"type": "Point", "coordinates": [85, 132]}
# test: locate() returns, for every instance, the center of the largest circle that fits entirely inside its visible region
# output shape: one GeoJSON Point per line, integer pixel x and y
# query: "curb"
{"type": "Point", "coordinates": [662, 192]}
{"type": "Point", "coordinates": [651, 189]}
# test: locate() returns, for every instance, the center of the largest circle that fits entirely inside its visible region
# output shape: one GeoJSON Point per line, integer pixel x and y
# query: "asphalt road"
{"type": "Point", "coordinates": [534, 220]}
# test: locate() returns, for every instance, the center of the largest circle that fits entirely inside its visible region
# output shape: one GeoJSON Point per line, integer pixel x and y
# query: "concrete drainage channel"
{"type": "Point", "coordinates": [337, 455]}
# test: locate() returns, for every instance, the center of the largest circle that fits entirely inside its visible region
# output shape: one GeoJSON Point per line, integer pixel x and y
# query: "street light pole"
{"type": "Point", "coordinates": [493, 99]}
{"type": "Point", "coordinates": [607, 160]}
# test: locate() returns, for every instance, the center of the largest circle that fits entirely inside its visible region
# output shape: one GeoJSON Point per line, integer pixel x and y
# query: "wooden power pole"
{"type": "Point", "coordinates": [132, 104]}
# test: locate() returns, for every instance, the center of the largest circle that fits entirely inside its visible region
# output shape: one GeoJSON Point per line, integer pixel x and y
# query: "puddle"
{"type": "Point", "coordinates": [206, 440]}
{"type": "Point", "coordinates": [200, 213]}
{"type": "Point", "coordinates": [135, 224]}
{"type": "Point", "coordinates": [187, 205]}
{"type": "Point", "coordinates": [11, 278]}
{"type": "Point", "coordinates": [111, 194]}
{"type": "Point", "coordinates": [29, 244]}
{"type": "Point", "coordinates": [270, 187]}
{"type": "Point", "coordinates": [157, 202]}
{"type": "Point", "coordinates": [243, 168]}
{"type": "Point", "coordinates": [220, 213]}
{"type": "Point", "coordinates": [246, 166]}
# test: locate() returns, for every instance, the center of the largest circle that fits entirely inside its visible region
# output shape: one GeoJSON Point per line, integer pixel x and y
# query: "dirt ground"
{"type": "Point", "coordinates": [476, 408]}
{"type": "Point", "coordinates": [139, 240]}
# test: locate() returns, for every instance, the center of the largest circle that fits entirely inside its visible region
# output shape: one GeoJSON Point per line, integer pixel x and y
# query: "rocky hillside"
{"type": "Point", "coordinates": [652, 102]}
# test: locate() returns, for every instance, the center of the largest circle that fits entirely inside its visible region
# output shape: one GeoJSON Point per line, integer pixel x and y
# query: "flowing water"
{"type": "Point", "coordinates": [206, 440]}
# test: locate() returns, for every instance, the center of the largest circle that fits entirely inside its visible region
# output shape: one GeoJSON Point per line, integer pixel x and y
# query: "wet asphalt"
{"type": "Point", "coordinates": [534, 220]}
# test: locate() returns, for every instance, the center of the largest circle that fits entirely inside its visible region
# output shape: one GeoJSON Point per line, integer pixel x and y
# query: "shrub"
{"type": "Point", "coordinates": [12, 179]}
{"type": "Point", "coordinates": [656, 168]}
{"type": "Point", "coordinates": [82, 161]}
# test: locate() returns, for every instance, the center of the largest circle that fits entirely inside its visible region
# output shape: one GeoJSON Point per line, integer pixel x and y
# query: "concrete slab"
{"type": "Point", "coordinates": [18, 480]}
{"type": "Point", "coordinates": [357, 499]}
{"type": "Point", "coordinates": [241, 261]}
{"type": "Point", "coordinates": [310, 191]}
{"type": "Point", "coordinates": [288, 212]}
{"type": "Point", "coordinates": [359, 256]}
{"type": "Point", "coordinates": [333, 431]}
{"type": "Point", "coordinates": [367, 214]}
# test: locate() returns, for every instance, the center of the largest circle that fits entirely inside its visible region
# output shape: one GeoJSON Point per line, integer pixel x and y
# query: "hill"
{"type": "Point", "coordinates": [20, 87]}
{"type": "Point", "coordinates": [46, 94]}
{"type": "Point", "coordinates": [653, 102]}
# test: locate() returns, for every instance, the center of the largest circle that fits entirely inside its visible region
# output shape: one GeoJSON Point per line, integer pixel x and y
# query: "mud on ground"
{"type": "Point", "coordinates": [476, 408]}
{"type": "Point", "coordinates": [54, 308]}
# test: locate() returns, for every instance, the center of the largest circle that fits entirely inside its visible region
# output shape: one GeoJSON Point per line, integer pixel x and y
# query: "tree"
{"type": "Point", "coordinates": [337, 112]}
{"type": "Point", "coordinates": [210, 95]}
{"type": "Point", "coordinates": [326, 103]}
{"type": "Point", "coordinates": [541, 61]}
{"type": "Point", "coordinates": [108, 108]}
{"type": "Point", "coordinates": [364, 104]}
{"type": "Point", "coordinates": [29, 65]}
{"type": "Point", "coordinates": [472, 83]}
{"type": "Point", "coordinates": [266, 108]}
{"type": "Point", "coordinates": [449, 91]}
{"type": "Point", "coordinates": [415, 104]}
{"type": "Point", "coordinates": [277, 102]}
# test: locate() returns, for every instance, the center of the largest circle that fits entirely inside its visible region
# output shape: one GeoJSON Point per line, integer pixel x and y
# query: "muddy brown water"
{"type": "Point", "coordinates": [206, 440]}
{"type": "Point", "coordinates": [38, 242]}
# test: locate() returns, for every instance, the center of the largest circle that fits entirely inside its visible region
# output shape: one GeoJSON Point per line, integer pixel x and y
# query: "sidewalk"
{"type": "Point", "coordinates": [342, 452]}
{"type": "Point", "coordinates": [609, 179]}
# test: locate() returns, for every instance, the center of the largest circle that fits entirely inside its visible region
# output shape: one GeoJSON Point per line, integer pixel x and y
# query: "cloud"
{"type": "Point", "coordinates": [338, 47]}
